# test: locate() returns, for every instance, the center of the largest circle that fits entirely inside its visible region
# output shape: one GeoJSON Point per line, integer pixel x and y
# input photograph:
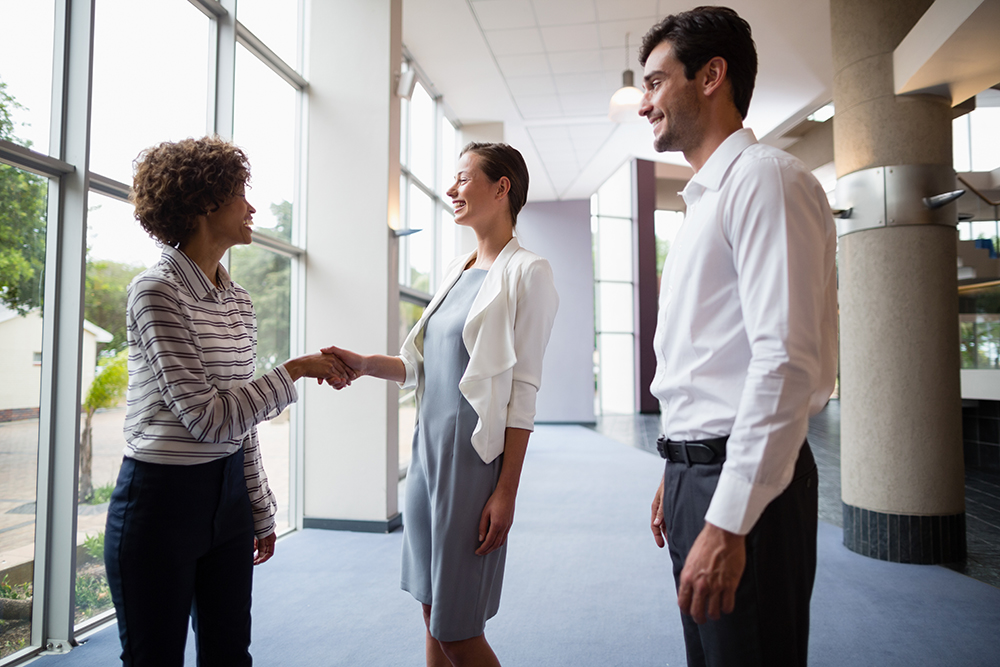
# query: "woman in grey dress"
{"type": "Point", "coordinates": [475, 358]}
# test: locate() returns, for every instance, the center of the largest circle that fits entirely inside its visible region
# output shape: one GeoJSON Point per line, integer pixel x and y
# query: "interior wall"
{"type": "Point", "coordinates": [560, 232]}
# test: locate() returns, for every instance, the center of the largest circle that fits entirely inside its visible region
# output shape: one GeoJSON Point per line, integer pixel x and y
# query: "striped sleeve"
{"type": "Point", "coordinates": [165, 339]}
{"type": "Point", "coordinates": [262, 500]}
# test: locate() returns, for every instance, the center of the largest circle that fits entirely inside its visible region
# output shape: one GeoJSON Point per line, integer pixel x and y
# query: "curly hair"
{"type": "Point", "coordinates": [703, 33]}
{"type": "Point", "coordinates": [498, 160]}
{"type": "Point", "coordinates": [175, 182]}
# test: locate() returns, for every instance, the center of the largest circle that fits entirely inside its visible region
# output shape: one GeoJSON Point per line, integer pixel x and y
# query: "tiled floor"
{"type": "Point", "coordinates": [982, 490]}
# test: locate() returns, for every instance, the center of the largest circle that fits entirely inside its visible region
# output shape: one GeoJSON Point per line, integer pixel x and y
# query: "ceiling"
{"type": "Point", "coordinates": [547, 69]}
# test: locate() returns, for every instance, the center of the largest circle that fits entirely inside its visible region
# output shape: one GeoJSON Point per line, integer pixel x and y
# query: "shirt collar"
{"type": "Point", "coordinates": [194, 278]}
{"type": "Point", "coordinates": [710, 176]}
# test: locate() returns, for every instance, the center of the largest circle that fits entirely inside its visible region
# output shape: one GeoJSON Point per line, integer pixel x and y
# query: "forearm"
{"type": "Point", "coordinates": [384, 367]}
{"type": "Point", "coordinates": [514, 448]}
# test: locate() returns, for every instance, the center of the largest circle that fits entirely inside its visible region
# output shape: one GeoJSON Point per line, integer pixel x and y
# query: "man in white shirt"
{"type": "Point", "coordinates": [746, 348]}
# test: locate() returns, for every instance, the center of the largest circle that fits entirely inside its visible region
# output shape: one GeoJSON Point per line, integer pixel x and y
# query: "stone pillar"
{"type": "Point", "coordinates": [901, 434]}
{"type": "Point", "coordinates": [646, 300]}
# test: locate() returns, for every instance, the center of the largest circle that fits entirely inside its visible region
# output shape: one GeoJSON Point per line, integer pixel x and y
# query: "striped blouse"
{"type": "Point", "coordinates": [191, 393]}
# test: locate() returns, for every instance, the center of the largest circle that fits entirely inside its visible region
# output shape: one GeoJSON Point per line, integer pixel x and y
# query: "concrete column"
{"type": "Point", "coordinates": [350, 472]}
{"type": "Point", "coordinates": [901, 441]}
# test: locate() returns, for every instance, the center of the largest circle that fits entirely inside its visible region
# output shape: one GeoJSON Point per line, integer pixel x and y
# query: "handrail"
{"type": "Point", "coordinates": [978, 193]}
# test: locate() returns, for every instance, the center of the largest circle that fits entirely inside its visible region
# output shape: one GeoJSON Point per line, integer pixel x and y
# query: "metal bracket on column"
{"type": "Point", "coordinates": [894, 196]}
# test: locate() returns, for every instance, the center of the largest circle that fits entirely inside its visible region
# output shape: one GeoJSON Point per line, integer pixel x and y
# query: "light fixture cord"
{"type": "Point", "coordinates": [626, 49]}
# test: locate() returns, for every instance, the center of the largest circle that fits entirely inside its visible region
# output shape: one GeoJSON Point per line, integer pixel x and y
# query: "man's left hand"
{"type": "Point", "coordinates": [711, 574]}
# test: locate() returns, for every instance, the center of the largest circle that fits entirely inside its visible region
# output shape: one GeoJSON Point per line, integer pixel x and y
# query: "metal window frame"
{"type": "Point", "coordinates": [70, 183]}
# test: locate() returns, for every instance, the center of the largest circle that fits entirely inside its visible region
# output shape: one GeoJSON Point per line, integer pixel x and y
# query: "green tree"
{"type": "Point", "coordinates": [22, 224]}
{"type": "Point", "coordinates": [267, 277]}
{"type": "Point", "coordinates": [107, 389]}
{"type": "Point", "coordinates": [107, 298]}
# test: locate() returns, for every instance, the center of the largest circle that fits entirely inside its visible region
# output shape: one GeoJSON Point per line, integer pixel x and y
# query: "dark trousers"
{"type": "Point", "coordinates": [770, 625]}
{"type": "Point", "coordinates": [179, 544]}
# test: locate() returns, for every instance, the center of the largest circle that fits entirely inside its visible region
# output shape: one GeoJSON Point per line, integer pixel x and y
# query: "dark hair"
{"type": "Point", "coordinates": [703, 33]}
{"type": "Point", "coordinates": [498, 160]}
{"type": "Point", "coordinates": [174, 183]}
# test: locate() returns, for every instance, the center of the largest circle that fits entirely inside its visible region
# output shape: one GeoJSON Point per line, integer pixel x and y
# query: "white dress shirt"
{"type": "Point", "coordinates": [192, 397]}
{"type": "Point", "coordinates": [746, 339]}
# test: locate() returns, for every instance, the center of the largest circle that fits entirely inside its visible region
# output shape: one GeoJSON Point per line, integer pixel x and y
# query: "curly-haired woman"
{"type": "Point", "coordinates": [192, 513]}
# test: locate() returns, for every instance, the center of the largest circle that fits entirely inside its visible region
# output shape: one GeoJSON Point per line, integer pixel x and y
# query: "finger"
{"type": "Point", "coordinates": [333, 349]}
{"type": "Point", "coordinates": [729, 600]}
{"type": "Point", "coordinates": [698, 604]}
{"type": "Point", "coordinates": [684, 595]}
{"type": "Point", "coordinates": [491, 542]}
{"type": "Point", "coordinates": [714, 605]}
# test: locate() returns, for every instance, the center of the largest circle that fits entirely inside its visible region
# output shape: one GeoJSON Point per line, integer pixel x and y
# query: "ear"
{"type": "Point", "coordinates": [714, 75]}
{"type": "Point", "coordinates": [503, 187]}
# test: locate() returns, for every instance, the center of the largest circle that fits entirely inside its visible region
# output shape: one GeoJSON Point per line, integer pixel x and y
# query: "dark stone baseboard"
{"type": "Point", "coordinates": [387, 526]}
{"type": "Point", "coordinates": [904, 538]}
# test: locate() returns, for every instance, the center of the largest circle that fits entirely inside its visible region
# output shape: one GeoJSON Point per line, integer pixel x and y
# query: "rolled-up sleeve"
{"type": "Point", "coordinates": [537, 303]}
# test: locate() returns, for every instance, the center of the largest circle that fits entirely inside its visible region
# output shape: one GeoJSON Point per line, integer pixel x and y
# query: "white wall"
{"type": "Point", "coordinates": [351, 468]}
{"type": "Point", "coordinates": [560, 232]}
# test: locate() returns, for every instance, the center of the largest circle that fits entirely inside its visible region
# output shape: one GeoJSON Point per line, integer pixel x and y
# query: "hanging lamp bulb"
{"type": "Point", "coordinates": [625, 102]}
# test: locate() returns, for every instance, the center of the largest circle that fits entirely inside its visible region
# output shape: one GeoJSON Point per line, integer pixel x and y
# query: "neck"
{"type": "Point", "coordinates": [206, 256]}
{"type": "Point", "coordinates": [717, 131]}
{"type": "Point", "coordinates": [490, 242]}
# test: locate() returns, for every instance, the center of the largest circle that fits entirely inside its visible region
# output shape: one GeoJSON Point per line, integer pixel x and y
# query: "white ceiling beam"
{"type": "Point", "coordinates": [953, 50]}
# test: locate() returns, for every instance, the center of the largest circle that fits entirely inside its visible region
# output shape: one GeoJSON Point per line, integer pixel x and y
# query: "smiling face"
{"type": "Point", "coordinates": [477, 200]}
{"type": "Point", "coordinates": [231, 223]}
{"type": "Point", "coordinates": [670, 102]}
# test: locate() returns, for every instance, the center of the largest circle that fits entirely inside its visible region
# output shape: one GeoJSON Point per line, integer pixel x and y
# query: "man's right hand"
{"type": "Point", "coordinates": [656, 518]}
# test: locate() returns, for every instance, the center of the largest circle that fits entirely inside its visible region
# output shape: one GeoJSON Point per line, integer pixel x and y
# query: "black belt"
{"type": "Point", "coordinates": [708, 451]}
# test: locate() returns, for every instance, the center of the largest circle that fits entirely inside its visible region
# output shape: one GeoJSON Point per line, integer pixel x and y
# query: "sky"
{"type": "Point", "coordinates": [153, 85]}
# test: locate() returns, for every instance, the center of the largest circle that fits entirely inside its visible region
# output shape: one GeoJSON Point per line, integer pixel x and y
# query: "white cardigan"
{"type": "Point", "coordinates": [505, 333]}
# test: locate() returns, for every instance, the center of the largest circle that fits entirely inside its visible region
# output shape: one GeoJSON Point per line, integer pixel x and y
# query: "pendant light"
{"type": "Point", "coordinates": [625, 102]}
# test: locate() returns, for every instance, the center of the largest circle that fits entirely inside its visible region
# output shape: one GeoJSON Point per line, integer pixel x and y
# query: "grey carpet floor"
{"type": "Point", "coordinates": [585, 585]}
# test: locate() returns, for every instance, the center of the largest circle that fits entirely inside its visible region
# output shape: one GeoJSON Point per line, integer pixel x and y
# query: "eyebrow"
{"type": "Point", "coordinates": [652, 75]}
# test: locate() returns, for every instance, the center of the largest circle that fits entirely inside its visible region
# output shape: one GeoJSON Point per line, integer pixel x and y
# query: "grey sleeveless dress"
{"type": "Point", "coordinates": [448, 485]}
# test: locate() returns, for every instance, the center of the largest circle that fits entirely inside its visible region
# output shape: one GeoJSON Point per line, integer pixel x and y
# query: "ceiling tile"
{"type": "Point", "coordinates": [549, 133]}
{"type": "Point", "coordinates": [529, 64]}
{"type": "Point", "coordinates": [585, 104]}
{"type": "Point", "coordinates": [570, 37]}
{"type": "Point", "coordinates": [538, 106]}
{"type": "Point", "coordinates": [571, 62]}
{"type": "Point", "coordinates": [625, 9]}
{"type": "Point", "coordinates": [514, 42]}
{"type": "Point", "coordinates": [612, 34]}
{"type": "Point", "coordinates": [564, 12]}
{"type": "Point", "coordinates": [504, 14]}
{"type": "Point", "coordinates": [584, 82]}
{"type": "Point", "coordinates": [531, 85]}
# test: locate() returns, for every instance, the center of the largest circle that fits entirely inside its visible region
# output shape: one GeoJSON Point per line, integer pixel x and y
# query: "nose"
{"type": "Point", "coordinates": [452, 191]}
{"type": "Point", "coordinates": [644, 104]}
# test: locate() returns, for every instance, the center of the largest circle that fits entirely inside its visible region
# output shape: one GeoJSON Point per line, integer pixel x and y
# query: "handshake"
{"type": "Point", "coordinates": [337, 367]}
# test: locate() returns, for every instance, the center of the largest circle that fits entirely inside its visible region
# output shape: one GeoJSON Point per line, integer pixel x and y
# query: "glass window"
{"type": "Point", "coordinates": [160, 96]}
{"type": "Point", "coordinates": [264, 126]}
{"type": "Point", "coordinates": [273, 22]}
{"type": "Point", "coordinates": [26, 75]}
{"type": "Point", "coordinates": [614, 305]}
{"type": "Point", "coordinates": [449, 241]}
{"type": "Point", "coordinates": [421, 134]}
{"type": "Point", "coordinates": [614, 250]}
{"type": "Point", "coordinates": [117, 250]}
{"type": "Point", "coordinates": [267, 277]}
{"type": "Point", "coordinates": [616, 377]}
{"type": "Point", "coordinates": [23, 202]}
{"type": "Point", "coordinates": [420, 245]}
{"type": "Point", "coordinates": [615, 195]}
{"type": "Point", "coordinates": [449, 156]}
